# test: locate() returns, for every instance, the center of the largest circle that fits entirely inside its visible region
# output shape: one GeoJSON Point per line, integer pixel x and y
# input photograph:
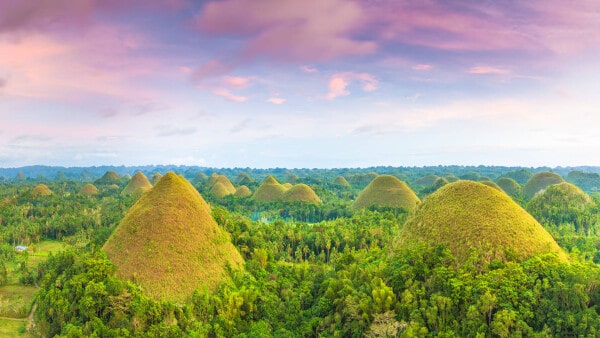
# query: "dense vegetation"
{"type": "Point", "coordinates": [310, 269]}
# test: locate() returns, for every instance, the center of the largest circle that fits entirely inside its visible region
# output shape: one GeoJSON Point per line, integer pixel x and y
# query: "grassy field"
{"type": "Point", "coordinates": [16, 300]}
{"type": "Point", "coordinates": [12, 328]}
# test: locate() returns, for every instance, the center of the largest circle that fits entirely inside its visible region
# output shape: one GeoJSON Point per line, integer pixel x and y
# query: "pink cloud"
{"type": "Point", "coordinates": [236, 82]}
{"type": "Point", "coordinates": [339, 82]}
{"type": "Point", "coordinates": [308, 69]}
{"type": "Point", "coordinates": [292, 30]}
{"type": "Point", "coordinates": [40, 15]}
{"type": "Point", "coordinates": [228, 95]}
{"type": "Point", "coordinates": [276, 100]}
{"type": "Point", "coordinates": [484, 70]}
{"type": "Point", "coordinates": [422, 67]}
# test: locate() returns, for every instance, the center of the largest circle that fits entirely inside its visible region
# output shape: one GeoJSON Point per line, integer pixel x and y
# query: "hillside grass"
{"type": "Point", "coordinates": [386, 191]}
{"type": "Point", "coordinates": [270, 190]}
{"type": "Point", "coordinates": [41, 190]}
{"type": "Point", "coordinates": [169, 243]}
{"type": "Point", "coordinates": [138, 184]}
{"type": "Point", "coordinates": [301, 193]}
{"type": "Point", "coordinates": [468, 215]}
{"type": "Point", "coordinates": [12, 328]}
{"type": "Point", "coordinates": [540, 181]}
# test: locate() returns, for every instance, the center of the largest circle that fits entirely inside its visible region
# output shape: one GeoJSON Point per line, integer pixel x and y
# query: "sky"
{"type": "Point", "coordinates": [299, 83]}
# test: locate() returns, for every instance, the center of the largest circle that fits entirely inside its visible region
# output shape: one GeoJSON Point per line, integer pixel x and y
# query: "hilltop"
{"type": "Point", "coordinates": [110, 177]}
{"type": "Point", "coordinates": [270, 190]}
{"type": "Point", "coordinates": [540, 181]}
{"type": "Point", "coordinates": [386, 191]}
{"type": "Point", "coordinates": [301, 193]}
{"type": "Point", "coordinates": [169, 243]}
{"type": "Point", "coordinates": [41, 190]}
{"type": "Point", "coordinates": [137, 185]}
{"type": "Point", "coordinates": [89, 190]}
{"type": "Point", "coordinates": [469, 215]}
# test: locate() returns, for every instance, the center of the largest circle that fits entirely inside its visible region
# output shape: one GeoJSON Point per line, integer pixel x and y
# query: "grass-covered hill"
{"type": "Point", "coordinates": [220, 190]}
{"type": "Point", "coordinates": [468, 215]}
{"type": "Point", "coordinates": [110, 177]}
{"type": "Point", "coordinates": [341, 181]}
{"type": "Point", "coordinates": [156, 177]}
{"type": "Point", "coordinates": [520, 175]}
{"type": "Point", "coordinates": [386, 191]}
{"type": "Point", "coordinates": [426, 181]}
{"type": "Point", "coordinates": [511, 187]}
{"type": "Point", "coordinates": [270, 190]}
{"type": "Point", "coordinates": [539, 182]}
{"type": "Point", "coordinates": [243, 179]}
{"type": "Point", "coordinates": [492, 184]}
{"type": "Point", "coordinates": [169, 243]}
{"type": "Point", "coordinates": [243, 191]}
{"type": "Point", "coordinates": [562, 203]}
{"type": "Point", "coordinates": [138, 185]}
{"type": "Point", "coordinates": [220, 185]}
{"type": "Point", "coordinates": [41, 190]}
{"type": "Point", "coordinates": [301, 193]}
{"type": "Point", "coordinates": [89, 190]}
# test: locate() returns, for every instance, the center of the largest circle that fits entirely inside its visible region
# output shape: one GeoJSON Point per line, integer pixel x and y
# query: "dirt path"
{"type": "Point", "coordinates": [30, 322]}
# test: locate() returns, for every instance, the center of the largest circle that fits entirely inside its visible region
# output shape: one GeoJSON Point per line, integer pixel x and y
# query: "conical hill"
{"type": "Point", "coordinates": [386, 191]}
{"type": "Point", "coordinates": [510, 186]}
{"type": "Point", "coordinates": [469, 215]}
{"type": "Point", "coordinates": [137, 185]}
{"type": "Point", "coordinates": [270, 190]}
{"type": "Point", "coordinates": [169, 243]}
{"type": "Point", "coordinates": [540, 181]}
{"type": "Point", "coordinates": [156, 177]}
{"type": "Point", "coordinates": [426, 181]}
{"type": "Point", "coordinates": [301, 193]}
{"type": "Point", "coordinates": [89, 190]}
{"type": "Point", "coordinates": [341, 181]}
{"type": "Point", "coordinates": [41, 190]}
{"type": "Point", "coordinates": [243, 191]}
{"type": "Point", "coordinates": [491, 184]}
{"type": "Point", "coordinates": [562, 203]}
{"type": "Point", "coordinates": [110, 177]}
{"type": "Point", "coordinates": [219, 190]}
{"type": "Point", "coordinates": [227, 188]}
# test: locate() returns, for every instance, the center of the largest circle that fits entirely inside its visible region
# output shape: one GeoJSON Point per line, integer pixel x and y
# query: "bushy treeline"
{"type": "Point", "coordinates": [335, 279]}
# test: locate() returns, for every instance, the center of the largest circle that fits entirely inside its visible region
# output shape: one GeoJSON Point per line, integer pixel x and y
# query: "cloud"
{"type": "Point", "coordinates": [292, 30]}
{"type": "Point", "coordinates": [167, 131]}
{"type": "Point", "coordinates": [42, 15]}
{"type": "Point", "coordinates": [228, 95]}
{"type": "Point", "coordinates": [236, 82]}
{"type": "Point", "coordinates": [422, 67]}
{"type": "Point", "coordinates": [210, 69]}
{"type": "Point", "coordinates": [308, 69]}
{"type": "Point", "coordinates": [339, 82]}
{"type": "Point", "coordinates": [276, 100]}
{"type": "Point", "coordinates": [484, 70]}
{"type": "Point", "coordinates": [2, 83]}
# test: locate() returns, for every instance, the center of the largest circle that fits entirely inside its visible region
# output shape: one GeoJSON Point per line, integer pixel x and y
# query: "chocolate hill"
{"type": "Point", "coordinates": [169, 243]}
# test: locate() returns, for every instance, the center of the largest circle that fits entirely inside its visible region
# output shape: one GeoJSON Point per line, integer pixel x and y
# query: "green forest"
{"type": "Point", "coordinates": [378, 252]}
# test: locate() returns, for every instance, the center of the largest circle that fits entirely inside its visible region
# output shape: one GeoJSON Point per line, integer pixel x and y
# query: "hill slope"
{"type": "Point", "coordinates": [137, 185]}
{"type": "Point", "coordinates": [386, 191]}
{"type": "Point", "coordinates": [540, 181]}
{"type": "Point", "coordinates": [301, 193]}
{"type": "Point", "coordinates": [270, 190]}
{"type": "Point", "coordinates": [169, 243]}
{"type": "Point", "coordinates": [466, 214]}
